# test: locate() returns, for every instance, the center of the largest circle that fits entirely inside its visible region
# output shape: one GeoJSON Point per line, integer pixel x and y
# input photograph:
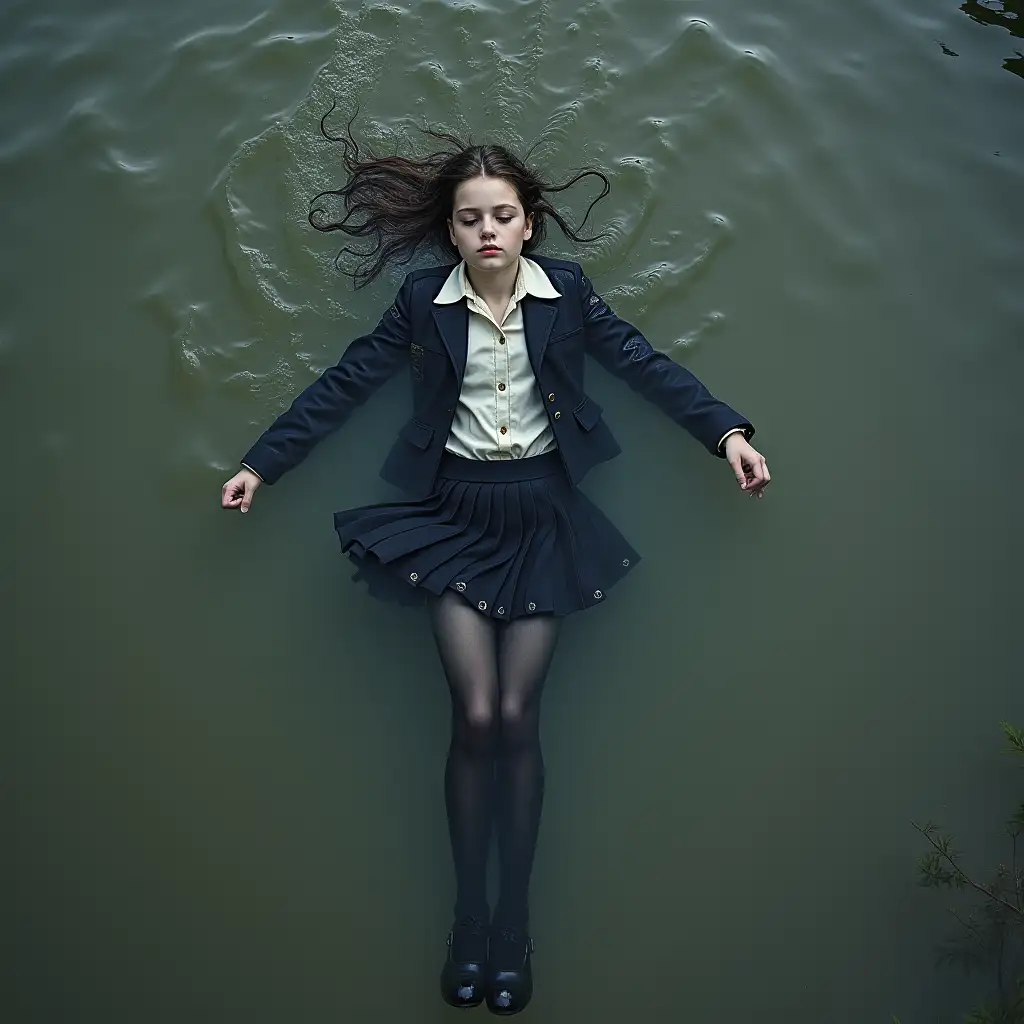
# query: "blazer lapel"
{"type": "Point", "coordinates": [453, 326]}
{"type": "Point", "coordinates": [538, 319]}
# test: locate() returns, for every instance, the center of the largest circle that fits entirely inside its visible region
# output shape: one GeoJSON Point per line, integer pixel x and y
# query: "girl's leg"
{"type": "Point", "coordinates": [467, 644]}
{"type": "Point", "coordinates": [525, 649]}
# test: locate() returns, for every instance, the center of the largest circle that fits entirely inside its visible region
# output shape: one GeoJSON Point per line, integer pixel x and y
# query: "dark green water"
{"type": "Point", "coordinates": [223, 760]}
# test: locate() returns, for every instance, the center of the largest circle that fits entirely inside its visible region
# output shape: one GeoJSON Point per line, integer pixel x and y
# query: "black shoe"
{"type": "Point", "coordinates": [462, 977]}
{"type": "Point", "coordinates": [509, 975]}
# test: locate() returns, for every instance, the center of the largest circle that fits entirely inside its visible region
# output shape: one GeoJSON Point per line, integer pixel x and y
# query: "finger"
{"type": "Point", "coordinates": [250, 490]}
{"type": "Point", "coordinates": [737, 467]}
{"type": "Point", "coordinates": [230, 496]}
{"type": "Point", "coordinates": [766, 478]}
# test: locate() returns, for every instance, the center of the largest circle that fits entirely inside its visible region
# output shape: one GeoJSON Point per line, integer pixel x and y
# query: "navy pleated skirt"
{"type": "Point", "coordinates": [513, 537]}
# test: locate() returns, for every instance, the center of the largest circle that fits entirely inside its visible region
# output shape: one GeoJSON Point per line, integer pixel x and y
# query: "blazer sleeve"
{"type": "Point", "coordinates": [327, 403]}
{"type": "Point", "coordinates": [622, 350]}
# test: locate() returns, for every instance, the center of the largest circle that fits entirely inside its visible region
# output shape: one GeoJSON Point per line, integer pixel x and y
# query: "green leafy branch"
{"type": "Point", "coordinates": [991, 935]}
{"type": "Point", "coordinates": [940, 868]}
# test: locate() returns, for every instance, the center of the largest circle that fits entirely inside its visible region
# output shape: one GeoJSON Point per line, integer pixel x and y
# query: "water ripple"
{"type": "Point", "coordinates": [212, 36]}
{"type": "Point", "coordinates": [509, 85]}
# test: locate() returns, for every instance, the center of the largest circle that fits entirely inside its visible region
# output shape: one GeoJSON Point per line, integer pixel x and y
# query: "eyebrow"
{"type": "Point", "coordinates": [476, 209]}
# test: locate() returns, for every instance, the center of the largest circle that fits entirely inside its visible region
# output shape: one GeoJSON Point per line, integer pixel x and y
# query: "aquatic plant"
{"type": "Point", "coordinates": [990, 932]}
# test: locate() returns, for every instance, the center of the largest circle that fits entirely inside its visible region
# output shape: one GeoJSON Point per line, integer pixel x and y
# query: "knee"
{"type": "Point", "coordinates": [519, 723]}
{"type": "Point", "coordinates": [476, 727]}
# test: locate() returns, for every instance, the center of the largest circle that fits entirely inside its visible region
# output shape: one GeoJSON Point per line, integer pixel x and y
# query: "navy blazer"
{"type": "Point", "coordinates": [432, 340]}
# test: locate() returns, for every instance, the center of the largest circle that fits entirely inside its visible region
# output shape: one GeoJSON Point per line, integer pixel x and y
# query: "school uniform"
{"type": "Point", "coordinates": [501, 433]}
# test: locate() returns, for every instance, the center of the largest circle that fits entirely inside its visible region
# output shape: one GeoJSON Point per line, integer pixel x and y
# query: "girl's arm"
{"type": "Point", "coordinates": [328, 402]}
{"type": "Point", "coordinates": [622, 350]}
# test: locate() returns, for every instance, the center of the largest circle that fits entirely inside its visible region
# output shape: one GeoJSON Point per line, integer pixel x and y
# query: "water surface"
{"type": "Point", "coordinates": [226, 759]}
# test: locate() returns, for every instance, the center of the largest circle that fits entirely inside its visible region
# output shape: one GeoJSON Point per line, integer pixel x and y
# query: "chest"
{"type": "Point", "coordinates": [541, 336]}
{"type": "Point", "coordinates": [497, 357]}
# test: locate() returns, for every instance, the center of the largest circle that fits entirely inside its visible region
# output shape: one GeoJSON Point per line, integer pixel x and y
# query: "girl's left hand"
{"type": "Point", "coordinates": [748, 464]}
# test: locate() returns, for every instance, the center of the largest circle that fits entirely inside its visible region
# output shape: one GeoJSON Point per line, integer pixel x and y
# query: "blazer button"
{"type": "Point", "coordinates": [414, 576]}
{"type": "Point", "coordinates": [460, 586]}
{"type": "Point", "coordinates": [558, 415]}
{"type": "Point", "coordinates": [531, 607]}
{"type": "Point", "coordinates": [482, 605]}
{"type": "Point", "coordinates": [598, 595]}
{"type": "Point", "coordinates": [551, 397]}
{"type": "Point", "coordinates": [625, 561]}
{"type": "Point", "coordinates": [501, 611]}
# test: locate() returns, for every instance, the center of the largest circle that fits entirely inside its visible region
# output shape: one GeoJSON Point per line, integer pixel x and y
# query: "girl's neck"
{"type": "Point", "coordinates": [494, 288]}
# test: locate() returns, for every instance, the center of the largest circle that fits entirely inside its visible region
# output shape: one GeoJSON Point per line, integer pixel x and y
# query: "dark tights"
{"type": "Point", "coordinates": [495, 771]}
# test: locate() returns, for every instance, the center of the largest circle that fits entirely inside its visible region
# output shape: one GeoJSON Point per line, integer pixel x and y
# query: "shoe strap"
{"type": "Point", "coordinates": [516, 935]}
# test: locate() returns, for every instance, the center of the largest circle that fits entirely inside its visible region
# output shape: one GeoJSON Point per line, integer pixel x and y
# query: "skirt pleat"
{"type": "Point", "coordinates": [506, 596]}
{"type": "Point", "coordinates": [513, 538]}
{"type": "Point", "coordinates": [449, 523]}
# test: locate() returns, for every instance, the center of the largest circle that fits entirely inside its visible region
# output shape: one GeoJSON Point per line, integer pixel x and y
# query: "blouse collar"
{"type": "Point", "coordinates": [531, 280]}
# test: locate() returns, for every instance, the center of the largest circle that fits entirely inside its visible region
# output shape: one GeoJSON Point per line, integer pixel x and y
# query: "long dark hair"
{"type": "Point", "coordinates": [402, 205]}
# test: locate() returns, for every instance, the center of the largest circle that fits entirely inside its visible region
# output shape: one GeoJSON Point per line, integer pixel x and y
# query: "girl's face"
{"type": "Point", "coordinates": [488, 224]}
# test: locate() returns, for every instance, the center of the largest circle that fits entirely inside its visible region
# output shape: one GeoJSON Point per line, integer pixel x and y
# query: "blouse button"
{"type": "Point", "coordinates": [482, 605]}
{"type": "Point", "coordinates": [598, 595]}
{"type": "Point", "coordinates": [460, 586]}
{"type": "Point", "coordinates": [501, 341]}
{"type": "Point", "coordinates": [504, 430]}
{"type": "Point", "coordinates": [558, 415]}
{"type": "Point", "coordinates": [414, 576]}
{"type": "Point", "coordinates": [531, 607]}
{"type": "Point", "coordinates": [501, 387]}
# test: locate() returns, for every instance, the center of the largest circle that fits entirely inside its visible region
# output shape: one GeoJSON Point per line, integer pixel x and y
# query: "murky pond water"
{"type": "Point", "coordinates": [225, 759]}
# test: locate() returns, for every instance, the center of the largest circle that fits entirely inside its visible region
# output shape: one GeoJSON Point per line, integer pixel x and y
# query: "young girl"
{"type": "Point", "coordinates": [495, 537]}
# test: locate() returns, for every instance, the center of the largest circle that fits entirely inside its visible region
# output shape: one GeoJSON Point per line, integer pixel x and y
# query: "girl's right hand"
{"type": "Point", "coordinates": [238, 491]}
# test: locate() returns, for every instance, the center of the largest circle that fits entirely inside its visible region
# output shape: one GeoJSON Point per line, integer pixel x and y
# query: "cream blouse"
{"type": "Point", "coordinates": [500, 412]}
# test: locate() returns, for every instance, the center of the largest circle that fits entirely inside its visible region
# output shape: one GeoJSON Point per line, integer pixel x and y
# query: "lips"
{"type": "Point", "coordinates": [489, 250]}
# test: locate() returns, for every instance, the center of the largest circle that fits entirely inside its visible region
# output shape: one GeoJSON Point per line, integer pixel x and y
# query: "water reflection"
{"type": "Point", "coordinates": [1008, 14]}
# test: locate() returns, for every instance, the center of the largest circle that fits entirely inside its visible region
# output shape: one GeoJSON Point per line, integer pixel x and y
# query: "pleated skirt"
{"type": "Point", "coordinates": [513, 538]}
